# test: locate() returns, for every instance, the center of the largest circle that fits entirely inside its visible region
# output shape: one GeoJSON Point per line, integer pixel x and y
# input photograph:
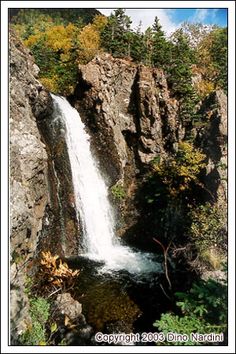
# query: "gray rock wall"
{"type": "Point", "coordinates": [28, 174]}
{"type": "Point", "coordinates": [132, 118]}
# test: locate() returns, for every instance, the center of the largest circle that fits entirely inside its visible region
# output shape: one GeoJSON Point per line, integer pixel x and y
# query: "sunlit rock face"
{"type": "Point", "coordinates": [132, 118]}
{"type": "Point", "coordinates": [28, 171]}
{"type": "Point", "coordinates": [128, 108]}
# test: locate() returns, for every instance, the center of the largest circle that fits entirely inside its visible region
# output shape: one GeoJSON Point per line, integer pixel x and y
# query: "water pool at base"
{"type": "Point", "coordinates": [119, 302]}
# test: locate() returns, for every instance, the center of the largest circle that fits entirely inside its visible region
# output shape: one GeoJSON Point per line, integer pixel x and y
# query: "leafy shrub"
{"type": "Point", "coordinates": [204, 310]}
{"type": "Point", "coordinates": [181, 325]}
{"type": "Point", "coordinates": [118, 192]}
{"type": "Point", "coordinates": [209, 234]}
{"type": "Point", "coordinates": [178, 172]}
{"type": "Point", "coordinates": [36, 333]}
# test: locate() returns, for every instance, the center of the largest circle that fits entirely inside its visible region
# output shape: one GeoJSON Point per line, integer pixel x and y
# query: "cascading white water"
{"type": "Point", "coordinates": [92, 203]}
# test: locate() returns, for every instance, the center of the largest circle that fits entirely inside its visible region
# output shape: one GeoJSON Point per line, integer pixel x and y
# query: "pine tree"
{"type": "Point", "coordinates": [115, 36]}
{"type": "Point", "coordinates": [180, 76]}
{"type": "Point", "coordinates": [137, 50]}
{"type": "Point", "coordinates": [148, 45]}
{"type": "Point", "coordinates": [161, 48]}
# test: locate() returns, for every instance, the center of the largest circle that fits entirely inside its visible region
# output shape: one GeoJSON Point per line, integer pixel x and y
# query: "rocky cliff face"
{"type": "Point", "coordinates": [213, 140]}
{"type": "Point", "coordinates": [41, 211]}
{"type": "Point", "coordinates": [28, 171]}
{"type": "Point", "coordinates": [133, 118]}
{"type": "Point", "coordinates": [128, 109]}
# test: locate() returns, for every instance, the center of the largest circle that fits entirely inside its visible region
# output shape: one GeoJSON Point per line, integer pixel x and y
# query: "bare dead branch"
{"type": "Point", "coordinates": [165, 252]}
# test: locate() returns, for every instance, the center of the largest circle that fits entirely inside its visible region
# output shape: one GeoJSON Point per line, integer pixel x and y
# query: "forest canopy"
{"type": "Point", "coordinates": [194, 57]}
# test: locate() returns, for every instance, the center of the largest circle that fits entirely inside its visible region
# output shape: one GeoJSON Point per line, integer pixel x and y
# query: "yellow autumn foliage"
{"type": "Point", "coordinates": [179, 171]}
{"type": "Point", "coordinates": [55, 270]}
{"type": "Point", "coordinates": [204, 88]}
{"type": "Point", "coordinates": [33, 39]}
{"type": "Point", "coordinates": [89, 40]}
{"type": "Point", "coordinates": [99, 22]}
{"type": "Point", "coordinates": [61, 37]}
{"type": "Point", "coordinates": [58, 49]}
{"type": "Point", "coordinates": [50, 83]}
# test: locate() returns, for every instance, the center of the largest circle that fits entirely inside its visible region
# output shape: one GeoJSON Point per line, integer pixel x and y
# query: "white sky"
{"type": "Point", "coordinates": [147, 17]}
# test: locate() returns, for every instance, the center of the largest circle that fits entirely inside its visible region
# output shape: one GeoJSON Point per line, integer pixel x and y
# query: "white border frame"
{"type": "Point", "coordinates": [4, 174]}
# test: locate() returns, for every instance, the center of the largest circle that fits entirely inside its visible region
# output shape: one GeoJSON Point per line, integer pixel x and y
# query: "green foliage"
{"type": "Point", "coordinates": [203, 308]}
{"type": "Point", "coordinates": [55, 54]}
{"type": "Point", "coordinates": [207, 300]}
{"type": "Point", "coordinates": [116, 34]}
{"type": "Point", "coordinates": [58, 45]}
{"type": "Point", "coordinates": [59, 16]}
{"type": "Point", "coordinates": [118, 192]}
{"type": "Point", "coordinates": [179, 78]}
{"type": "Point", "coordinates": [39, 309]}
{"type": "Point", "coordinates": [137, 48]}
{"type": "Point", "coordinates": [161, 52]}
{"type": "Point", "coordinates": [36, 333]}
{"type": "Point", "coordinates": [28, 285]}
{"type": "Point", "coordinates": [177, 173]}
{"type": "Point", "coordinates": [181, 325]}
{"type": "Point", "coordinates": [218, 53]}
{"type": "Point", "coordinates": [211, 55]}
{"type": "Point", "coordinates": [60, 39]}
{"type": "Point", "coordinates": [208, 226]}
{"type": "Point", "coordinates": [208, 232]}
{"type": "Point", "coordinates": [16, 257]}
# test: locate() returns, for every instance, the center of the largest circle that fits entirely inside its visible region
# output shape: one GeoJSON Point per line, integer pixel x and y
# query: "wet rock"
{"type": "Point", "coordinates": [61, 231]}
{"type": "Point", "coordinates": [42, 105]}
{"type": "Point", "coordinates": [66, 305]}
{"type": "Point", "coordinates": [105, 87]}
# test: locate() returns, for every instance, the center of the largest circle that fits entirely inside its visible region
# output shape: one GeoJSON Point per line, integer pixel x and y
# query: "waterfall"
{"type": "Point", "coordinates": [92, 203]}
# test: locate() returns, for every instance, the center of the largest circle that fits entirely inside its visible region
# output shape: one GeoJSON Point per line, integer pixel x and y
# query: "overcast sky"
{"type": "Point", "coordinates": [171, 19]}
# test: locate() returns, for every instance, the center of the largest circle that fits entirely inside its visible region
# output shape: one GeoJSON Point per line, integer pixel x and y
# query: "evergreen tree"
{"type": "Point", "coordinates": [137, 50]}
{"type": "Point", "coordinates": [148, 46]}
{"type": "Point", "coordinates": [218, 52]}
{"type": "Point", "coordinates": [161, 47]}
{"type": "Point", "coordinates": [115, 36]}
{"type": "Point", "coordinates": [180, 76]}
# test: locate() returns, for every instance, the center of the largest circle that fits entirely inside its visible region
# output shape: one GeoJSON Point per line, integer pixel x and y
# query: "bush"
{"type": "Point", "coordinates": [118, 192]}
{"type": "Point", "coordinates": [53, 275]}
{"type": "Point", "coordinates": [203, 308]}
{"type": "Point", "coordinates": [178, 172]}
{"type": "Point", "coordinates": [208, 231]}
{"type": "Point", "coordinates": [36, 333]}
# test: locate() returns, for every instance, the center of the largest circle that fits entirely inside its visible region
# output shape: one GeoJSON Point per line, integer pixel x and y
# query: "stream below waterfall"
{"type": "Point", "coordinates": [118, 287]}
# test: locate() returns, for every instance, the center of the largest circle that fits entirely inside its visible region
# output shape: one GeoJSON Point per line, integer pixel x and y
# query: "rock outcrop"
{"type": "Point", "coordinates": [28, 172]}
{"type": "Point", "coordinates": [42, 210]}
{"type": "Point", "coordinates": [129, 111]}
{"type": "Point", "coordinates": [212, 138]}
{"type": "Point", "coordinates": [133, 118]}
